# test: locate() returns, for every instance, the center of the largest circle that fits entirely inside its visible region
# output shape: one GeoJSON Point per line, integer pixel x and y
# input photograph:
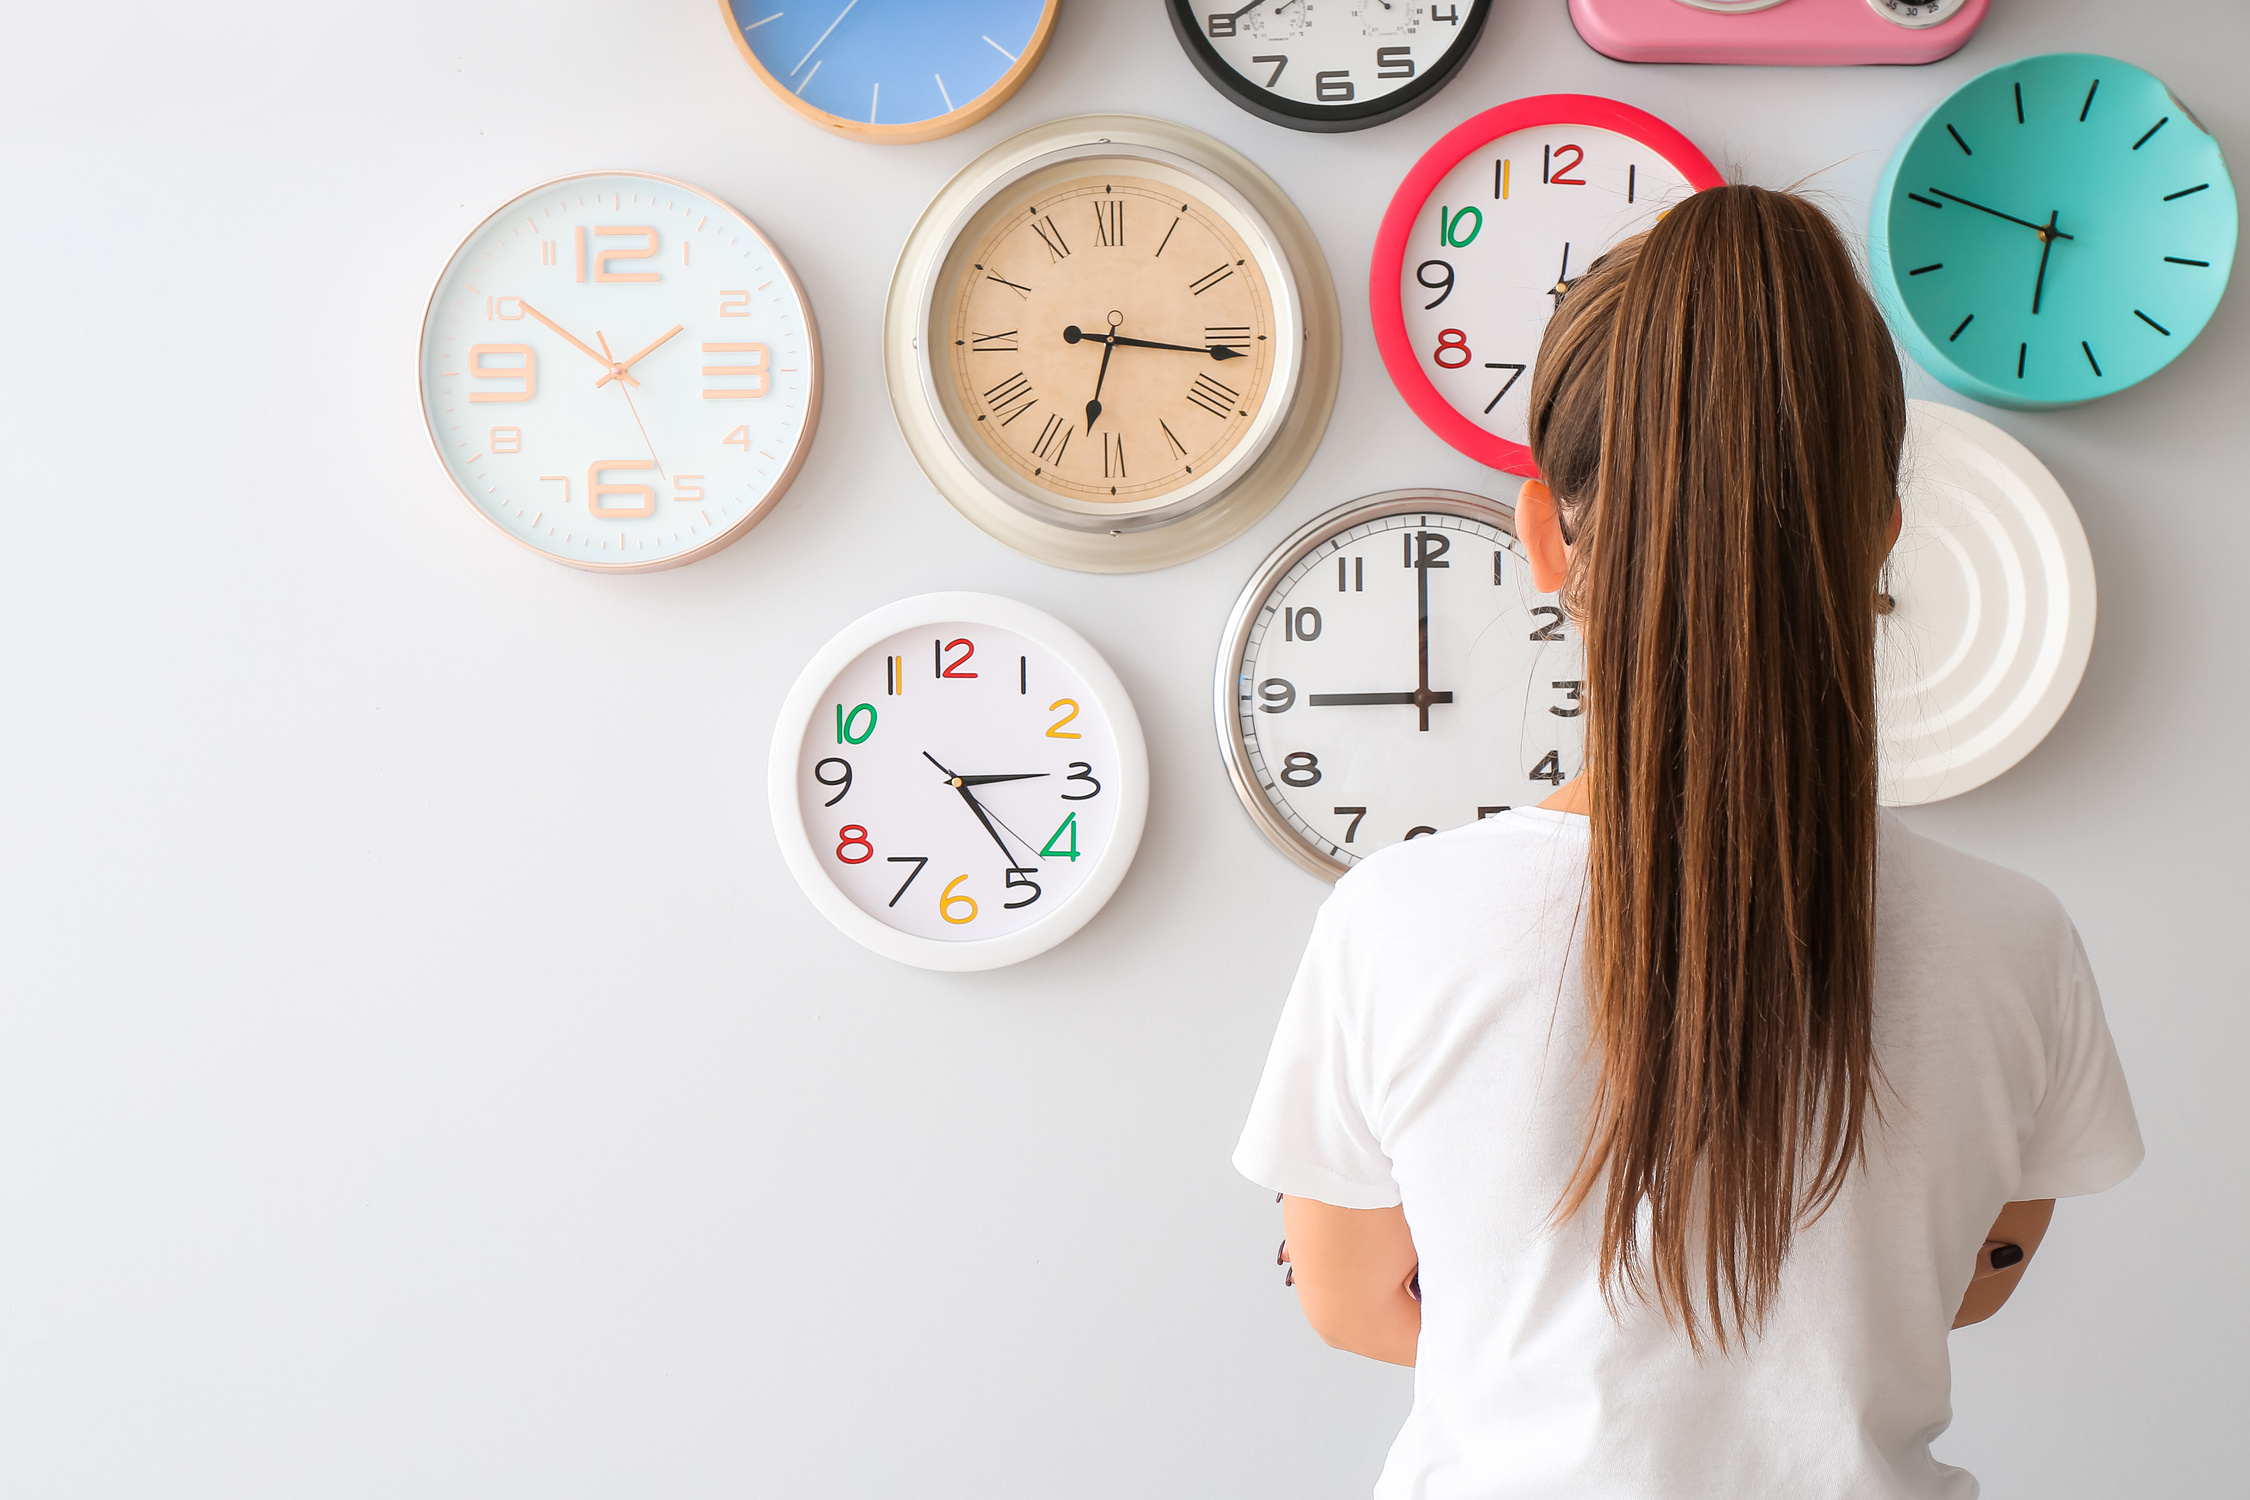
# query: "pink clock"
{"type": "Point", "coordinates": [1487, 233]}
{"type": "Point", "coordinates": [1777, 33]}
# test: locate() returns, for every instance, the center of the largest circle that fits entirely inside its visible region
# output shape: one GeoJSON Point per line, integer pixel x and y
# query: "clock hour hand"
{"type": "Point", "coordinates": [2046, 231]}
{"type": "Point", "coordinates": [961, 785]}
{"type": "Point", "coordinates": [2046, 247]}
{"type": "Point", "coordinates": [1363, 700]}
{"type": "Point", "coordinates": [617, 371]}
{"type": "Point", "coordinates": [576, 342]}
{"type": "Point", "coordinates": [1074, 333]}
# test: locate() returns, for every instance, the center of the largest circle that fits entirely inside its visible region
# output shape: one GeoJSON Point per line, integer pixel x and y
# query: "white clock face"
{"type": "Point", "coordinates": [1330, 52]}
{"type": "Point", "coordinates": [1393, 674]}
{"type": "Point", "coordinates": [961, 781]}
{"type": "Point", "coordinates": [1500, 240]}
{"type": "Point", "coordinates": [620, 372]}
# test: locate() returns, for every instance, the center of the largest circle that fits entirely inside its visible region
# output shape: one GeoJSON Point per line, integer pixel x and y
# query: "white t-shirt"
{"type": "Point", "coordinates": [1433, 1053]}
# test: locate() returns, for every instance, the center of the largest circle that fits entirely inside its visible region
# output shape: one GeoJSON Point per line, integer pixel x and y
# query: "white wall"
{"type": "Point", "coordinates": [374, 1122]}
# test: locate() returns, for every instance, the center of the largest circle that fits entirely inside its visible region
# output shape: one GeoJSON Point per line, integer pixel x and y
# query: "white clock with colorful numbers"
{"type": "Point", "coordinates": [1486, 234]}
{"type": "Point", "coordinates": [1112, 343]}
{"type": "Point", "coordinates": [958, 781]}
{"type": "Point", "coordinates": [1390, 673]}
{"type": "Point", "coordinates": [620, 372]}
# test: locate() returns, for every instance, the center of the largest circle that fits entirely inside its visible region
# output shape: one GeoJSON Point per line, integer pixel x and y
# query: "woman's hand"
{"type": "Point", "coordinates": [1355, 1272]}
{"type": "Point", "coordinates": [2004, 1257]}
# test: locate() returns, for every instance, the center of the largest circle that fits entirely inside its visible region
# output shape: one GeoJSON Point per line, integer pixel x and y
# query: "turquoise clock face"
{"type": "Point", "coordinates": [2056, 231]}
{"type": "Point", "coordinates": [889, 68]}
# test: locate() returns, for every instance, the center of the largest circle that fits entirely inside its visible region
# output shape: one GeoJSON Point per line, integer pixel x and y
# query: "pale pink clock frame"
{"type": "Point", "coordinates": [797, 453]}
{"type": "Point", "coordinates": [1793, 33]}
{"type": "Point", "coordinates": [1385, 303]}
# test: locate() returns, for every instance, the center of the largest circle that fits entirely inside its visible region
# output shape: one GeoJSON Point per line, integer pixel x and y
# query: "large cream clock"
{"type": "Point", "coordinates": [620, 372]}
{"type": "Point", "coordinates": [1112, 343]}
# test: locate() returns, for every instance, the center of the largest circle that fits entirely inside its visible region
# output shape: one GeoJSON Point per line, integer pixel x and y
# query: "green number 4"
{"type": "Point", "coordinates": [1069, 826]}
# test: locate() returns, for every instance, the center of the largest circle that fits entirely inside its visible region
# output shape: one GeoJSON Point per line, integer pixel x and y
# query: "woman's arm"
{"type": "Point", "coordinates": [1352, 1268]}
{"type": "Point", "coordinates": [2021, 1226]}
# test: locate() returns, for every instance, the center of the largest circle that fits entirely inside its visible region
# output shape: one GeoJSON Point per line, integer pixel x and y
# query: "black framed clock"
{"type": "Point", "coordinates": [1328, 65]}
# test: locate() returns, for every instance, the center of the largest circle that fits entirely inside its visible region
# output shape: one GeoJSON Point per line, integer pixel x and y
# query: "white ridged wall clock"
{"type": "Point", "coordinates": [1987, 615]}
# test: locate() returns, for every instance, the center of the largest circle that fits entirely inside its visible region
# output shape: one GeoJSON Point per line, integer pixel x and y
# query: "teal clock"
{"type": "Point", "coordinates": [2057, 230]}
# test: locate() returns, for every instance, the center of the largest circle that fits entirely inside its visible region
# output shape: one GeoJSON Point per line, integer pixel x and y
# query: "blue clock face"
{"type": "Point", "coordinates": [888, 66]}
{"type": "Point", "coordinates": [2056, 231]}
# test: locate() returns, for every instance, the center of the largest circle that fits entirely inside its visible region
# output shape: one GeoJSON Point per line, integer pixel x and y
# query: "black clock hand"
{"type": "Point", "coordinates": [1094, 407]}
{"type": "Point", "coordinates": [1361, 700]}
{"type": "Point", "coordinates": [2046, 246]}
{"type": "Point", "coordinates": [1236, 15]}
{"type": "Point", "coordinates": [2045, 231]}
{"type": "Point", "coordinates": [1562, 277]}
{"type": "Point", "coordinates": [988, 780]}
{"type": "Point", "coordinates": [960, 784]}
{"type": "Point", "coordinates": [1074, 334]}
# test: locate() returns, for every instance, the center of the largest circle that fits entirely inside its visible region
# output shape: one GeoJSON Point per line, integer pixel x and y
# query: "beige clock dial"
{"type": "Point", "coordinates": [1112, 338]}
{"type": "Point", "coordinates": [1112, 343]}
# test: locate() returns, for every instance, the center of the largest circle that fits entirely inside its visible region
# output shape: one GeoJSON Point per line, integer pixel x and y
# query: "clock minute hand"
{"type": "Point", "coordinates": [574, 340]}
{"type": "Point", "coordinates": [961, 785]}
{"type": "Point", "coordinates": [1074, 333]}
{"type": "Point", "coordinates": [2045, 231]}
{"type": "Point", "coordinates": [989, 780]}
{"type": "Point", "coordinates": [1362, 700]}
{"type": "Point", "coordinates": [617, 371]}
{"type": "Point", "coordinates": [2046, 247]}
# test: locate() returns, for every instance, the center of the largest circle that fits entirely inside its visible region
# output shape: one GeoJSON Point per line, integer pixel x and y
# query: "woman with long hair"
{"type": "Point", "coordinates": [1669, 1126]}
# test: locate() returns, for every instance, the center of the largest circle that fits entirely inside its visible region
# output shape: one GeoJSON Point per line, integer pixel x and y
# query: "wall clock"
{"type": "Point", "coordinates": [2057, 230]}
{"type": "Point", "coordinates": [1486, 234]}
{"type": "Point", "coordinates": [1112, 343]}
{"type": "Point", "coordinates": [893, 71]}
{"type": "Point", "coordinates": [1328, 64]}
{"type": "Point", "coordinates": [1988, 612]}
{"type": "Point", "coordinates": [1778, 33]}
{"type": "Point", "coordinates": [620, 371]}
{"type": "Point", "coordinates": [1389, 673]}
{"type": "Point", "coordinates": [958, 781]}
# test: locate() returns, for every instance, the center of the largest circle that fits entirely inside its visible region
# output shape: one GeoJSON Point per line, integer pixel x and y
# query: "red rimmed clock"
{"type": "Point", "coordinates": [1485, 235]}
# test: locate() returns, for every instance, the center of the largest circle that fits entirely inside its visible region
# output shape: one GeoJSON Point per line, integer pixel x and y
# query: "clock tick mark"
{"type": "Point", "coordinates": [1965, 322]}
{"type": "Point", "coordinates": [2159, 125]}
{"type": "Point", "coordinates": [1936, 265]}
{"type": "Point", "coordinates": [1925, 202]}
{"type": "Point", "coordinates": [2151, 322]}
{"type": "Point", "coordinates": [2089, 348]}
{"type": "Point", "coordinates": [2021, 351]}
{"type": "Point", "coordinates": [2177, 260]}
{"type": "Point", "coordinates": [1964, 145]}
{"type": "Point", "coordinates": [2089, 104]}
{"type": "Point", "coordinates": [2183, 192]}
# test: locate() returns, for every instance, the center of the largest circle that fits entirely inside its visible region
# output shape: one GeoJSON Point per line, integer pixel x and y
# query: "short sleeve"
{"type": "Point", "coordinates": [2084, 1137]}
{"type": "Point", "coordinates": [1309, 1133]}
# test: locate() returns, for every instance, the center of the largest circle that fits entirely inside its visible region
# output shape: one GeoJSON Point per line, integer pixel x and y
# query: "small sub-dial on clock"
{"type": "Point", "coordinates": [1392, 674]}
{"type": "Point", "coordinates": [1917, 12]}
{"type": "Point", "coordinates": [1274, 20]}
{"type": "Point", "coordinates": [960, 782]}
{"type": "Point", "coordinates": [1387, 17]}
{"type": "Point", "coordinates": [1113, 341]}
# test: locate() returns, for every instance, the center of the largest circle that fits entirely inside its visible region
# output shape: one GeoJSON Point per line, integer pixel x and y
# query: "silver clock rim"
{"type": "Point", "coordinates": [1235, 641]}
{"type": "Point", "coordinates": [789, 469]}
{"type": "Point", "coordinates": [1046, 532]}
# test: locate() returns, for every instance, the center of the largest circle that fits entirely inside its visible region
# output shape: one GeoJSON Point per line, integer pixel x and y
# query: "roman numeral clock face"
{"type": "Point", "coordinates": [958, 781]}
{"type": "Point", "coordinates": [620, 372]}
{"type": "Point", "coordinates": [1113, 340]}
{"type": "Point", "coordinates": [1390, 674]}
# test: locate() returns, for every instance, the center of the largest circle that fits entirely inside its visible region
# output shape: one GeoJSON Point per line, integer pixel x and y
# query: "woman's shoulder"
{"type": "Point", "coordinates": [1499, 860]}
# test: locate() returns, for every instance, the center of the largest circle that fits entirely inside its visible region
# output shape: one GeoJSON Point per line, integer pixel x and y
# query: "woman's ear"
{"type": "Point", "coordinates": [1539, 528]}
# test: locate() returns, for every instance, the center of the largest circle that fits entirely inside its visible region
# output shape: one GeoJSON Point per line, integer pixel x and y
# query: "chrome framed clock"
{"type": "Point", "coordinates": [620, 372]}
{"type": "Point", "coordinates": [891, 71]}
{"type": "Point", "coordinates": [1111, 343]}
{"type": "Point", "coordinates": [1328, 65]}
{"type": "Point", "coordinates": [1485, 235]}
{"type": "Point", "coordinates": [1390, 672]}
{"type": "Point", "coordinates": [958, 781]}
{"type": "Point", "coordinates": [1987, 616]}
{"type": "Point", "coordinates": [2057, 230]}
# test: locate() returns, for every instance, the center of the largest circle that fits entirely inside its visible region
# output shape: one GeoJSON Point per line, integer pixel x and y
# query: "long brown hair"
{"type": "Point", "coordinates": [1718, 409]}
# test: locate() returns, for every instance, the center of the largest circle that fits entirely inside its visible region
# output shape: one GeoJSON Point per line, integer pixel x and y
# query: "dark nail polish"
{"type": "Point", "coordinates": [2004, 1256]}
{"type": "Point", "coordinates": [1281, 1256]}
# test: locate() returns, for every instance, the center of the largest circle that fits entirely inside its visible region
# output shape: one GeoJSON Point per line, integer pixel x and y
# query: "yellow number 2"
{"type": "Point", "coordinates": [1055, 731]}
{"type": "Point", "coordinates": [947, 901]}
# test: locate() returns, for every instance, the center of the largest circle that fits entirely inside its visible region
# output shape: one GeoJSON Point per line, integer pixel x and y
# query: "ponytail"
{"type": "Point", "coordinates": [1718, 409]}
